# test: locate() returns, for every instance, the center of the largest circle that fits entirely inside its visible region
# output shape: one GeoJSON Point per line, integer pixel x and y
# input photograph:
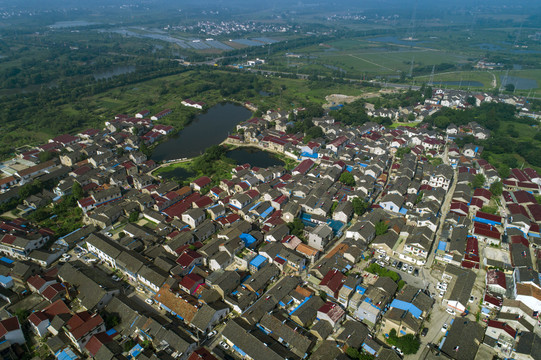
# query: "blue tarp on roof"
{"type": "Point", "coordinates": [267, 212]}
{"type": "Point", "coordinates": [66, 354]}
{"type": "Point", "coordinates": [6, 260]}
{"type": "Point", "coordinates": [406, 306]}
{"type": "Point", "coordinates": [301, 304]}
{"type": "Point", "coordinates": [442, 245]}
{"type": "Point", "coordinates": [258, 261]}
{"type": "Point", "coordinates": [247, 238]}
{"type": "Point", "coordinates": [136, 350]}
{"type": "Point", "coordinates": [308, 155]}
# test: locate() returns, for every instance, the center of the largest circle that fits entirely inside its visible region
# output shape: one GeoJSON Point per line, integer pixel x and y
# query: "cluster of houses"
{"type": "Point", "coordinates": [222, 254]}
{"type": "Point", "coordinates": [456, 99]}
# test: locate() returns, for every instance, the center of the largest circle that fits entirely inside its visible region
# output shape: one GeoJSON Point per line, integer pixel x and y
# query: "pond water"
{"type": "Point", "coordinates": [520, 83]}
{"type": "Point", "coordinates": [119, 70]}
{"type": "Point", "coordinates": [254, 157]}
{"type": "Point", "coordinates": [205, 130]}
{"type": "Point", "coordinates": [178, 173]}
{"type": "Point", "coordinates": [460, 83]}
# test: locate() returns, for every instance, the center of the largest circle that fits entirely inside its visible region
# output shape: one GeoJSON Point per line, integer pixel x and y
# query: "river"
{"type": "Point", "coordinates": [205, 130]}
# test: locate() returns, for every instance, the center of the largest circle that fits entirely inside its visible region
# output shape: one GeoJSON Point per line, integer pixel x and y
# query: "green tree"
{"type": "Point", "coordinates": [347, 179]}
{"type": "Point", "coordinates": [134, 216]}
{"type": "Point", "coordinates": [296, 227]}
{"type": "Point", "coordinates": [77, 190]}
{"type": "Point", "coordinates": [496, 188]}
{"type": "Point", "coordinates": [45, 156]}
{"type": "Point", "coordinates": [359, 206]}
{"type": "Point", "coordinates": [510, 87]}
{"type": "Point", "coordinates": [381, 227]}
{"type": "Point", "coordinates": [504, 171]}
{"type": "Point", "coordinates": [409, 344]}
{"type": "Point", "coordinates": [478, 181]}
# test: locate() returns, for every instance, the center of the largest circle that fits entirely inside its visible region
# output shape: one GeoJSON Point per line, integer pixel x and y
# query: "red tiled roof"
{"type": "Point", "coordinates": [334, 280]}
{"type": "Point", "coordinates": [56, 308]}
{"type": "Point", "coordinates": [8, 325]}
{"type": "Point", "coordinates": [202, 354]}
{"type": "Point", "coordinates": [191, 280]}
{"type": "Point", "coordinates": [96, 342]}
{"type": "Point", "coordinates": [202, 181]}
{"type": "Point", "coordinates": [496, 277]}
{"type": "Point", "coordinates": [487, 216]}
{"type": "Point", "coordinates": [65, 139]}
{"type": "Point", "coordinates": [52, 290]}
{"type": "Point", "coordinates": [82, 323]}
{"type": "Point", "coordinates": [503, 326]}
{"type": "Point", "coordinates": [37, 318]}
{"type": "Point", "coordinates": [332, 310]}
{"type": "Point", "coordinates": [304, 166]}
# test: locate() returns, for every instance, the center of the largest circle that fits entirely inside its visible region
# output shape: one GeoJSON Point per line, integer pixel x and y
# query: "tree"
{"type": "Point", "coordinates": [496, 188]}
{"type": "Point", "coordinates": [296, 227]}
{"type": "Point", "coordinates": [504, 171]}
{"type": "Point", "coordinates": [478, 181]}
{"type": "Point", "coordinates": [510, 87]}
{"type": "Point", "coordinates": [359, 206]}
{"type": "Point", "coordinates": [77, 190]}
{"type": "Point", "coordinates": [45, 156]}
{"type": "Point", "coordinates": [134, 216]}
{"type": "Point", "coordinates": [381, 227]}
{"type": "Point", "coordinates": [347, 179]}
{"type": "Point", "coordinates": [409, 344]}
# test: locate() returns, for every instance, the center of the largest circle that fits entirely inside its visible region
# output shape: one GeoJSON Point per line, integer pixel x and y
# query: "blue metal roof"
{"type": "Point", "coordinates": [406, 306]}
{"type": "Point", "coordinates": [258, 261]}
{"type": "Point", "coordinates": [247, 238]}
{"type": "Point", "coordinates": [442, 245]}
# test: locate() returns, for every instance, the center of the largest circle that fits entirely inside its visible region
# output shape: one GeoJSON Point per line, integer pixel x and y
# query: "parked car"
{"type": "Point", "coordinates": [66, 257]}
{"type": "Point", "coordinates": [451, 312]}
{"type": "Point", "coordinates": [211, 334]}
{"type": "Point", "coordinates": [116, 278]}
{"type": "Point", "coordinates": [380, 263]}
{"type": "Point", "coordinates": [410, 269]}
{"type": "Point", "coordinates": [405, 267]}
{"type": "Point", "coordinates": [395, 263]}
{"type": "Point", "coordinates": [398, 351]}
{"type": "Point", "coordinates": [441, 293]}
{"type": "Point", "coordinates": [424, 332]}
{"type": "Point", "coordinates": [149, 301]}
{"type": "Point", "coordinates": [472, 299]}
{"type": "Point", "coordinates": [109, 234]}
{"type": "Point", "coordinates": [140, 289]}
{"type": "Point", "coordinates": [224, 345]}
{"type": "Point", "coordinates": [416, 272]}
{"type": "Point", "coordinates": [444, 328]}
{"type": "Point", "coordinates": [399, 265]}
{"type": "Point", "coordinates": [387, 258]}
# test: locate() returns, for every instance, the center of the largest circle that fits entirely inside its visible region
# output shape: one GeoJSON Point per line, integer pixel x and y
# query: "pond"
{"type": "Point", "coordinates": [254, 157]}
{"type": "Point", "coordinates": [119, 70]}
{"type": "Point", "coordinates": [519, 83]}
{"type": "Point", "coordinates": [205, 130]}
{"type": "Point", "coordinates": [178, 173]}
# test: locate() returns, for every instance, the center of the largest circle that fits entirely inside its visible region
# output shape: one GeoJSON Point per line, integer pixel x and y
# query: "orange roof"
{"type": "Point", "coordinates": [185, 306]}
{"type": "Point", "coordinates": [341, 248]}
{"type": "Point", "coordinates": [529, 290]}
{"type": "Point", "coordinates": [306, 250]}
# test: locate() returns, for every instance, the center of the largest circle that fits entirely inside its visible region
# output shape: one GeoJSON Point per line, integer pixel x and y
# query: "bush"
{"type": "Point", "coordinates": [409, 344]}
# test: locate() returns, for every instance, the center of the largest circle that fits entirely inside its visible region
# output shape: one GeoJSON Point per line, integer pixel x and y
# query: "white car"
{"type": "Point", "coordinates": [441, 293]}
{"type": "Point", "coordinates": [224, 345]}
{"type": "Point", "coordinates": [471, 299]}
{"type": "Point", "coordinates": [109, 234]}
{"type": "Point", "coordinates": [116, 278]}
{"type": "Point", "coordinates": [66, 257]}
{"type": "Point", "coordinates": [404, 267]}
{"type": "Point", "coordinates": [398, 351]}
{"type": "Point", "coordinates": [211, 334]}
{"type": "Point", "coordinates": [410, 269]}
{"type": "Point", "coordinates": [451, 312]}
{"type": "Point", "coordinates": [444, 328]}
{"type": "Point", "coordinates": [149, 301]}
